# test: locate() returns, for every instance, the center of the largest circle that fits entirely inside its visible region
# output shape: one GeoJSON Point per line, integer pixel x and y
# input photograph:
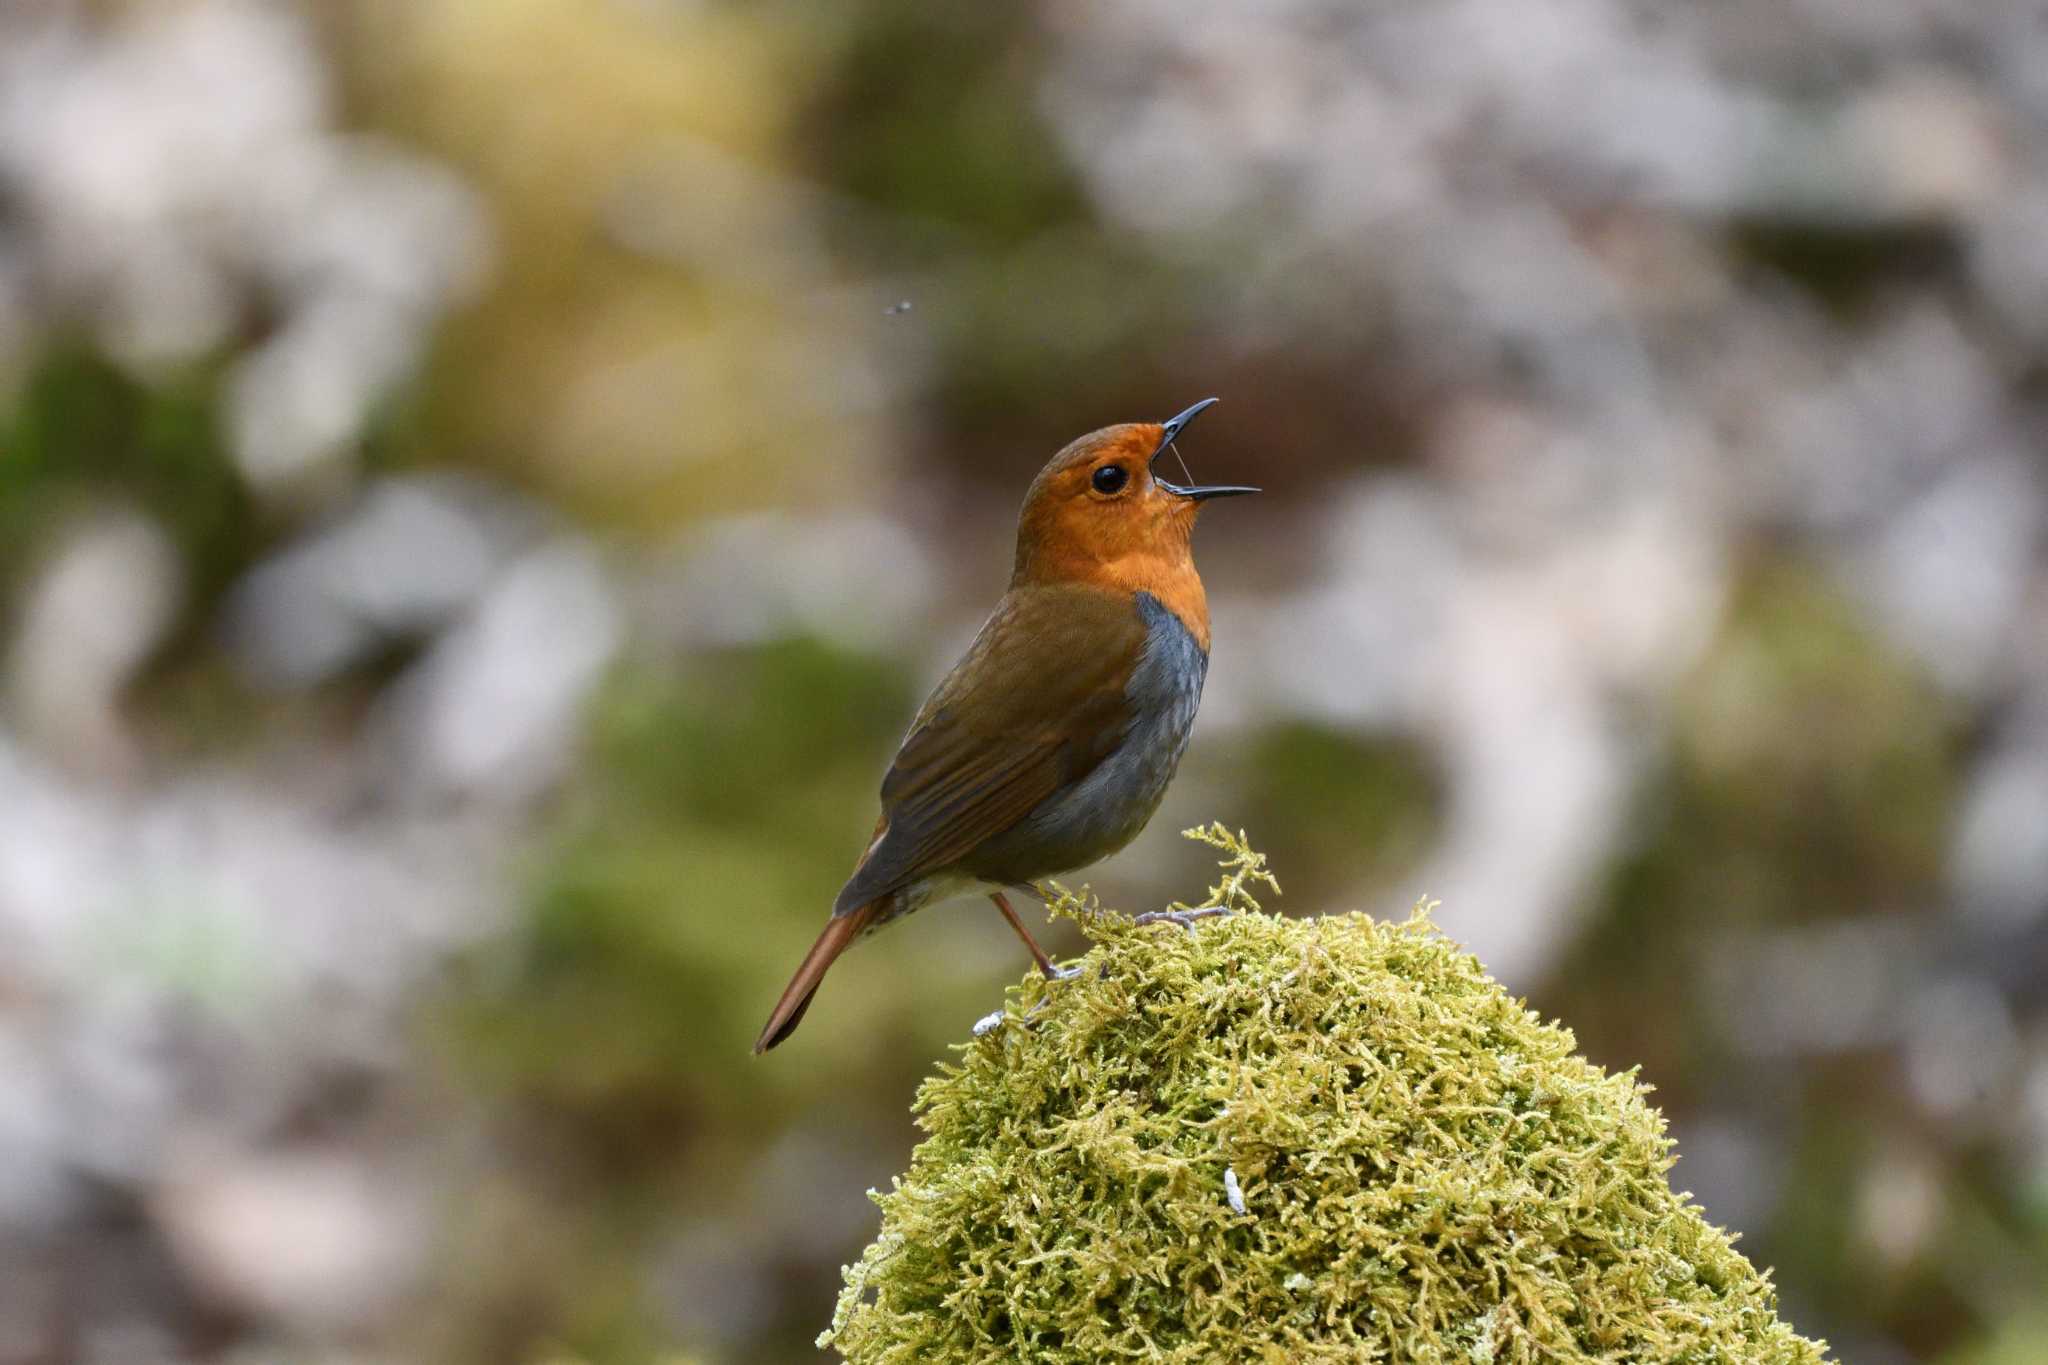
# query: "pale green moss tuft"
{"type": "Point", "coordinates": [1425, 1171]}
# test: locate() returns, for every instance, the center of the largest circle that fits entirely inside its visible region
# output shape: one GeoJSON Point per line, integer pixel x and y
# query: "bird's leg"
{"type": "Point", "coordinates": [1184, 918]}
{"type": "Point", "coordinates": [1052, 973]}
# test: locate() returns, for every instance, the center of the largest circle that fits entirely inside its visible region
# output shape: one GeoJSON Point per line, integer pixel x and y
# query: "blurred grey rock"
{"type": "Point", "coordinates": [860, 580]}
{"type": "Point", "coordinates": [1961, 1046]}
{"type": "Point", "coordinates": [99, 606]}
{"type": "Point", "coordinates": [312, 1242]}
{"type": "Point", "coordinates": [404, 559]}
{"type": "Point", "coordinates": [2001, 859]}
{"type": "Point", "coordinates": [492, 711]}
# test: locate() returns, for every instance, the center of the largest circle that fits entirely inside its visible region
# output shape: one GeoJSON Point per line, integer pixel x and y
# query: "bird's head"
{"type": "Point", "coordinates": [1099, 513]}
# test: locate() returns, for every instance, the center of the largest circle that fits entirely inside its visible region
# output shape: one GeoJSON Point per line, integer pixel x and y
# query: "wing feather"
{"type": "Point", "coordinates": [1036, 703]}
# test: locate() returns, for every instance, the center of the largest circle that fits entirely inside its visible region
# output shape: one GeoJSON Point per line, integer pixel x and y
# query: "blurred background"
{"type": "Point", "coordinates": [483, 487]}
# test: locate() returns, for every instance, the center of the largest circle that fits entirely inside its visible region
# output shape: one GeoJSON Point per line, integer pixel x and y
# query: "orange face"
{"type": "Point", "coordinates": [1098, 502]}
{"type": "Point", "coordinates": [1097, 514]}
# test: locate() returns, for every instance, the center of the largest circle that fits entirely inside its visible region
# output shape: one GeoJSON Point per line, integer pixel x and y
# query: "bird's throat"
{"type": "Point", "coordinates": [1176, 584]}
{"type": "Point", "coordinates": [1128, 557]}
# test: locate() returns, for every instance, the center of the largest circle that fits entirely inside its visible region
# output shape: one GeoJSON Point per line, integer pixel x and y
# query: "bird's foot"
{"type": "Point", "coordinates": [1055, 975]}
{"type": "Point", "coordinates": [1184, 918]}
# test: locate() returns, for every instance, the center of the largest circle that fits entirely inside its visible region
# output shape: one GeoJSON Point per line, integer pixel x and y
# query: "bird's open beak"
{"type": "Point", "coordinates": [1197, 492]}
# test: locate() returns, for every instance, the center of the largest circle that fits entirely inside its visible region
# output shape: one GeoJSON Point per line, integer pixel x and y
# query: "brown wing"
{"type": "Point", "coordinates": [1035, 705]}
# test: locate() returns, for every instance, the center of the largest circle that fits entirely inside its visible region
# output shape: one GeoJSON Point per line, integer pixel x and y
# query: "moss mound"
{"type": "Point", "coordinates": [1291, 1140]}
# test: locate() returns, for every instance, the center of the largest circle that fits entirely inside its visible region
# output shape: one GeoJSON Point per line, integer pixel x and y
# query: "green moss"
{"type": "Point", "coordinates": [930, 111]}
{"type": "Point", "coordinates": [1422, 1170]}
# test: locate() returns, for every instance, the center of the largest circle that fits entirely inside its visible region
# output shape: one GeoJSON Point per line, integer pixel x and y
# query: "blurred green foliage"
{"type": "Point", "coordinates": [1354, 811]}
{"type": "Point", "coordinates": [2023, 1340]}
{"type": "Point", "coordinates": [84, 431]}
{"type": "Point", "coordinates": [1810, 773]}
{"type": "Point", "coordinates": [929, 118]}
{"type": "Point", "coordinates": [1814, 766]}
{"type": "Point", "coordinates": [1810, 777]}
{"type": "Point", "coordinates": [724, 773]}
{"type": "Point", "coordinates": [728, 796]}
{"type": "Point", "coordinates": [929, 109]}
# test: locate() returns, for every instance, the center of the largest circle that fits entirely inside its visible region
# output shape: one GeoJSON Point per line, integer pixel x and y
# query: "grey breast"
{"type": "Point", "coordinates": [1102, 812]}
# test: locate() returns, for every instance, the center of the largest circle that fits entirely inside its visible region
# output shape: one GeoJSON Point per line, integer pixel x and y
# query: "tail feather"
{"type": "Point", "coordinates": [840, 932]}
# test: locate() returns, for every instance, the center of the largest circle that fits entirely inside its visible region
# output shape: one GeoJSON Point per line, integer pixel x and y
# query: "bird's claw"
{"type": "Point", "coordinates": [1184, 918]}
{"type": "Point", "coordinates": [1066, 973]}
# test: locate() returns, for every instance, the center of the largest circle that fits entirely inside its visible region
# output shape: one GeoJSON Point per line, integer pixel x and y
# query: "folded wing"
{"type": "Point", "coordinates": [1037, 703]}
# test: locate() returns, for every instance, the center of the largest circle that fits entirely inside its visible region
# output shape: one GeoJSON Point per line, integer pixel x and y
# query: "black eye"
{"type": "Point", "coordinates": [1110, 478]}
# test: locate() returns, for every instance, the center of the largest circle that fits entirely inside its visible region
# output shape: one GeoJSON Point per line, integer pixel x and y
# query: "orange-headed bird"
{"type": "Point", "coordinates": [1051, 742]}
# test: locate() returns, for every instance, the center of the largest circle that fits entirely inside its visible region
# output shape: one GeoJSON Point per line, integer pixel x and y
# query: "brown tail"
{"type": "Point", "coordinates": [840, 931]}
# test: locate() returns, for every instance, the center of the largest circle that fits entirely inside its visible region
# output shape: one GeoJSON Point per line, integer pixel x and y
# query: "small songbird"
{"type": "Point", "coordinates": [1051, 742]}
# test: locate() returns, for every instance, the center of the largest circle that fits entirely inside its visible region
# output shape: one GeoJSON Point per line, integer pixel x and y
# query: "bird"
{"type": "Point", "coordinates": [1051, 742]}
